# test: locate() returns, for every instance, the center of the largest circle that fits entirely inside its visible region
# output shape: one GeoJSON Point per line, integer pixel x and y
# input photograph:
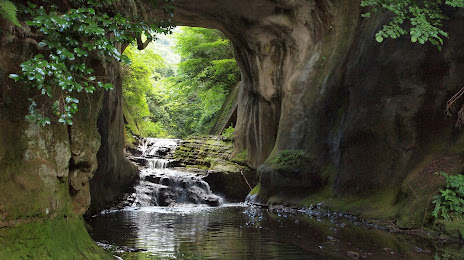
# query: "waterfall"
{"type": "Point", "coordinates": [160, 185]}
{"type": "Point", "coordinates": [158, 163]}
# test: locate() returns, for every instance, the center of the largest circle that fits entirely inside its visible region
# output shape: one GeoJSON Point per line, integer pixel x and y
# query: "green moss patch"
{"type": "Point", "coordinates": [290, 159]}
{"type": "Point", "coordinates": [59, 238]}
{"type": "Point", "coordinates": [25, 194]}
{"type": "Point", "coordinates": [381, 205]}
{"type": "Point", "coordinates": [241, 157]}
{"type": "Point", "coordinates": [453, 228]}
{"type": "Point", "coordinates": [255, 190]}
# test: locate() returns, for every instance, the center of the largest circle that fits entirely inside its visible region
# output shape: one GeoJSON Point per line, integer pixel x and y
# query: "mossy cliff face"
{"type": "Point", "coordinates": [115, 173]}
{"type": "Point", "coordinates": [370, 114]}
{"type": "Point", "coordinates": [367, 117]}
{"type": "Point", "coordinates": [210, 156]}
{"type": "Point", "coordinates": [44, 171]}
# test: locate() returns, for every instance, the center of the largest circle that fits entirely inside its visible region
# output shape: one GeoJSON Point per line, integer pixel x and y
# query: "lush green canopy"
{"type": "Point", "coordinates": [180, 97]}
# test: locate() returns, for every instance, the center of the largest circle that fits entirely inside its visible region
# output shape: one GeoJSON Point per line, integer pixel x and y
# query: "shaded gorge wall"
{"type": "Point", "coordinates": [329, 115]}
{"type": "Point", "coordinates": [44, 171]}
{"type": "Point", "coordinates": [325, 114]}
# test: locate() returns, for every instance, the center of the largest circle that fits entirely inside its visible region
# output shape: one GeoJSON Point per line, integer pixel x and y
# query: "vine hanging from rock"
{"type": "Point", "coordinates": [68, 35]}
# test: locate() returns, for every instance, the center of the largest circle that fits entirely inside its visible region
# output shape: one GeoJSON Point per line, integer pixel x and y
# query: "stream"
{"type": "Point", "coordinates": [174, 215]}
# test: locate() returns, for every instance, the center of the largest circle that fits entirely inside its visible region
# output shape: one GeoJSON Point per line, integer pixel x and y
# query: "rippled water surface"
{"type": "Point", "coordinates": [239, 232]}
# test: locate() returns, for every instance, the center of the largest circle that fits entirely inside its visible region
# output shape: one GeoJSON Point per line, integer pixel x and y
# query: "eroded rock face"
{"type": "Point", "coordinates": [44, 171]}
{"type": "Point", "coordinates": [279, 50]}
{"type": "Point", "coordinates": [115, 174]}
{"type": "Point", "coordinates": [367, 116]}
{"type": "Point", "coordinates": [210, 156]}
{"type": "Point", "coordinates": [315, 80]}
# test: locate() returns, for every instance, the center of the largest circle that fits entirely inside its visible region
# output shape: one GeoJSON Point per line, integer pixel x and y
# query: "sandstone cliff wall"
{"type": "Point", "coordinates": [355, 118]}
{"type": "Point", "coordinates": [115, 173]}
{"type": "Point", "coordinates": [361, 123]}
{"type": "Point", "coordinates": [44, 171]}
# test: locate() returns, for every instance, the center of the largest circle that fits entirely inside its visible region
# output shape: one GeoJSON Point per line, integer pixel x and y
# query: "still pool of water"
{"type": "Point", "coordinates": [242, 232]}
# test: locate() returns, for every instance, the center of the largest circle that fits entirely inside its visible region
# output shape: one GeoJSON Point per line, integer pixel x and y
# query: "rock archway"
{"type": "Point", "coordinates": [316, 83]}
{"type": "Point", "coordinates": [323, 108]}
{"type": "Point", "coordinates": [367, 117]}
{"type": "Point", "coordinates": [278, 46]}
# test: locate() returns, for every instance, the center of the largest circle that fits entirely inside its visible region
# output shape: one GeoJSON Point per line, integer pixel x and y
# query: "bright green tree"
{"type": "Point", "coordinates": [206, 74]}
{"type": "Point", "coordinates": [184, 100]}
{"type": "Point", "coordinates": [146, 67]}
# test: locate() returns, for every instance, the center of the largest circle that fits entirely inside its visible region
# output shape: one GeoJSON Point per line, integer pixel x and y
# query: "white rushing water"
{"type": "Point", "coordinates": [161, 186]}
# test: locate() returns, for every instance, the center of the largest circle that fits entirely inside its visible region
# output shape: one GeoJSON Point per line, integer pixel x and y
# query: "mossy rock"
{"type": "Point", "coordinates": [453, 228]}
{"type": "Point", "coordinates": [241, 157]}
{"type": "Point", "coordinates": [59, 238]}
{"type": "Point", "coordinates": [255, 190]}
{"type": "Point", "coordinates": [286, 160]}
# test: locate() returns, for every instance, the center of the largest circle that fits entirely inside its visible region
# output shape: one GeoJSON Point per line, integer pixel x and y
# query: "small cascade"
{"type": "Point", "coordinates": [158, 163]}
{"type": "Point", "coordinates": [156, 147]}
{"type": "Point", "coordinates": [161, 186]}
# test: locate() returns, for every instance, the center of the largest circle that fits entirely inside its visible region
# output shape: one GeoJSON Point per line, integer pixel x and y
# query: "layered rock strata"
{"type": "Point", "coordinates": [210, 156]}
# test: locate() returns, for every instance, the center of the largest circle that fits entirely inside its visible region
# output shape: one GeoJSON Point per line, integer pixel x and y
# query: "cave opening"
{"type": "Point", "coordinates": [298, 58]}
{"type": "Point", "coordinates": [182, 84]}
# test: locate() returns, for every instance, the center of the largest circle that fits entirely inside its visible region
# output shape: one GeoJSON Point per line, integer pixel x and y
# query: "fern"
{"type": "Point", "coordinates": [8, 10]}
{"type": "Point", "coordinates": [450, 203]}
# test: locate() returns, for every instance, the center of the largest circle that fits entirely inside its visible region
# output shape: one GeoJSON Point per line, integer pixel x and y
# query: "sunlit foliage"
{"type": "Point", "coordinates": [71, 35]}
{"type": "Point", "coordinates": [187, 96]}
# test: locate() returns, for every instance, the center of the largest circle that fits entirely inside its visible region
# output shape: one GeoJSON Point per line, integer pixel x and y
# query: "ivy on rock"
{"type": "Point", "coordinates": [423, 18]}
{"type": "Point", "coordinates": [68, 38]}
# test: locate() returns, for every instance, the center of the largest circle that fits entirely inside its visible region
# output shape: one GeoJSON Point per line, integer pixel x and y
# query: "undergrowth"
{"type": "Point", "coordinates": [450, 203]}
{"type": "Point", "coordinates": [228, 133]}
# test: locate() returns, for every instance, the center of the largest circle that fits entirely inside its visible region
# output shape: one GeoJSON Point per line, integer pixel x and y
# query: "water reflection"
{"type": "Point", "coordinates": [239, 232]}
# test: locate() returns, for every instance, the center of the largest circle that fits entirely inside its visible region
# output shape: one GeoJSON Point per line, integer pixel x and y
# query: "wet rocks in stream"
{"type": "Point", "coordinates": [160, 186]}
{"type": "Point", "coordinates": [168, 187]}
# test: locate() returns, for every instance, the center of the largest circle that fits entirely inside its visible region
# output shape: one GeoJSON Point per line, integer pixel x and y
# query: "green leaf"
{"type": "Point", "coordinates": [69, 35]}
{"type": "Point", "coordinates": [14, 76]}
{"type": "Point", "coordinates": [8, 10]}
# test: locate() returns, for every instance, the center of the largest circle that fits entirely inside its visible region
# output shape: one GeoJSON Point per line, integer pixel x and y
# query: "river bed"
{"type": "Point", "coordinates": [238, 231]}
{"type": "Point", "coordinates": [174, 215]}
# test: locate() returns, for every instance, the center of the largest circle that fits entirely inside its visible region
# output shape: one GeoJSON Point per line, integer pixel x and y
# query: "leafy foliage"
{"type": "Point", "coordinates": [138, 91]}
{"type": "Point", "coordinates": [228, 133]}
{"type": "Point", "coordinates": [206, 74]}
{"type": "Point", "coordinates": [207, 59]}
{"type": "Point", "coordinates": [424, 17]}
{"type": "Point", "coordinates": [186, 102]}
{"type": "Point", "coordinates": [72, 37]}
{"type": "Point", "coordinates": [8, 10]}
{"type": "Point", "coordinates": [450, 203]}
